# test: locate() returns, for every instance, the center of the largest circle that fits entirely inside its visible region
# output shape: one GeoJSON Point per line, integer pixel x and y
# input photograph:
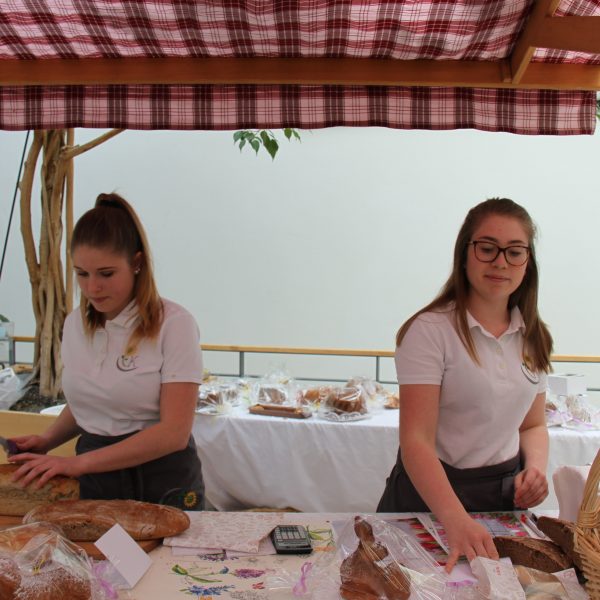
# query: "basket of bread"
{"type": "Point", "coordinates": [587, 531]}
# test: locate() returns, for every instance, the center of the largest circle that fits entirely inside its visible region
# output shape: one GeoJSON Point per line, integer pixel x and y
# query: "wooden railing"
{"type": "Point", "coordinates": [242, 351]}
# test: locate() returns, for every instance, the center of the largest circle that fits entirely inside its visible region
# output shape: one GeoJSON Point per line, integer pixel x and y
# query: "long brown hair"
{"type": "Point", "coordinates": [537, 342]}
{"type": "Point", "coordinates": [113, 225]}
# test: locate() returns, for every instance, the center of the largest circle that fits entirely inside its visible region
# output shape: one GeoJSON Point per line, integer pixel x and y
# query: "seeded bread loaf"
{"type": "Point", "coordinates": [87, 520]}
{"type": "Point", "coordinates": [542, 555]}
{"type": "Point", "coordinates": [17, 501]}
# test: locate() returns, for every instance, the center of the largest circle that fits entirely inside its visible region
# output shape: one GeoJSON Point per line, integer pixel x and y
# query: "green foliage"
{"type": "Point", "coordinates": [598, 107]}
{"type": "Point", "coordinates": [3, 319]}
{"type": "Point", "coordinates": [265, 138]}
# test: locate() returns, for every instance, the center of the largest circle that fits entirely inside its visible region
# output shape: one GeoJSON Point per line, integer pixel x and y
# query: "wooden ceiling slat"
{"type": "Point", "coordinates": [525, 46]}
{"type": "Point", "coordinates": [318, 71]}
{"type": "Point", "coordinates": [579, 34]}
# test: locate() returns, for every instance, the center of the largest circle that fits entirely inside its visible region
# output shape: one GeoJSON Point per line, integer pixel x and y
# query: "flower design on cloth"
{"type": "Point", "coordinates": [248, 595]}
{"type": "Point", "coordinates": [258, 586]}
{"type": "Point", "coordinates": [248, 573]}
{"type": "Point", "coordinates": [199, 574]}
{"type": "Point", "coordinates": [200, 591]}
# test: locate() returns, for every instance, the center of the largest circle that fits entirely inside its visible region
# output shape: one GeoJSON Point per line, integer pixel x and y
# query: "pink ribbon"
{"type": "Point", "coordinates": [300, 587]}
{"type": "Point", "coordinates": [99, 569]}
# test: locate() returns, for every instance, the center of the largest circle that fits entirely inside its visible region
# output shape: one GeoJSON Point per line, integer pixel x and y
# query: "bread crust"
{"type": "Point", "coordinates": [87, 520]}
{"type": "Point", "coordinates": [542, 555]}
{"type": "Point", "coordinates": [18, 501]}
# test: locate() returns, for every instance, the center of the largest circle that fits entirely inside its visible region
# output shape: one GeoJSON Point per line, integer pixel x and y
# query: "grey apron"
{"type": "Point", "coordinates": [490, 488]}
{"type": "Point", "coordinates": [174, 479]}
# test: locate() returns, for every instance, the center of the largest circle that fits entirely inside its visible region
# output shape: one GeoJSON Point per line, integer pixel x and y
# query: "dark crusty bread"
{"type": "Point", "coordinates": [17, 501]}
{"type": "Point", "coordinates": [562, 533]}
{"type": "Point", "coordinates": [542, 555]}
{"type": "Point", "coordinates": [87, 520]}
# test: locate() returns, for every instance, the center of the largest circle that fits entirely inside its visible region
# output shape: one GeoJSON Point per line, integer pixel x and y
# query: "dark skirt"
{"type": "Point", "coordinates": [174, 479]}
{"type": "Point", "coordinates": [487, 489]}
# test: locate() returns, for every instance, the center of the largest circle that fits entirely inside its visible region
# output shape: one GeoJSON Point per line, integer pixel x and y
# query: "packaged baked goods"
{"type": "Point", "coordinates": [343, 404]}
{"type": "Point", "coordinates": [373, 393]}
{"type": "Point", "coordinates": [39, 563]}
{"type": "Point", "coordinates": [87, 520]}
{"type": "Point", "coordinates": [217, 397]}
{"type": "Point", "coordinates": [374, 560]}
{"type": "Point", "coordinates": [313, 396]}
{"type": "Point", "coordinates": [17, 501]}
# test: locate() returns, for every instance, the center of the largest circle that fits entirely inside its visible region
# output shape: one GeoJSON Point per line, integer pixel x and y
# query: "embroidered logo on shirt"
{"type": "Point", "coordinates": [529, 374]}
{"type": "Point", "coordinates": [126, 363]}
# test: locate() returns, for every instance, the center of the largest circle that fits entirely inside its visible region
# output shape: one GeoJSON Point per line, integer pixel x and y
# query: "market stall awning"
{"type": "Point", "coordinates": [517, 66]}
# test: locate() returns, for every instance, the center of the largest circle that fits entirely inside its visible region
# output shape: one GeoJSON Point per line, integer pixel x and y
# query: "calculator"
{"type": "Point", "coordinates": [291, 539]}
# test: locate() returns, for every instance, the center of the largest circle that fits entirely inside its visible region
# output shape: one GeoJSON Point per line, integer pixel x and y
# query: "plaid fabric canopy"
{"type": "Point", "coordinates": [405, 30]}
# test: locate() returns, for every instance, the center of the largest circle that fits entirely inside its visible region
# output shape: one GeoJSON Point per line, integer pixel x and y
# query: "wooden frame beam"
{"type": "Point", "coordinates": [525, 46]}
{"type": "Point", "coordinates": [318, 71]}
{"type": "Point", "coordinates": [578, 34]}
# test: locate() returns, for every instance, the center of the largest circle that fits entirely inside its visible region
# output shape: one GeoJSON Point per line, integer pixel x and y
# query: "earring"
{"type": "Point", "coordinates": [137, 271]}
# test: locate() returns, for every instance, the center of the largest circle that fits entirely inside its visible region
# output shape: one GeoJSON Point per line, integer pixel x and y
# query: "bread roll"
{"type": "Point", "coordinates": [17, 501]}
{"type": "Point", "coordinates": [87, 520]}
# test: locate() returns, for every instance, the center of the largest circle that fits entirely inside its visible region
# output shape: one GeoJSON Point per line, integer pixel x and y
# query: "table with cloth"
{"type": "Point", "coordinates": [314, 465]}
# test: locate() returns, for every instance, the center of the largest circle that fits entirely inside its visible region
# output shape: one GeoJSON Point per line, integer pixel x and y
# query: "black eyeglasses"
{"type": "Point", "coordinates": [488, 252]}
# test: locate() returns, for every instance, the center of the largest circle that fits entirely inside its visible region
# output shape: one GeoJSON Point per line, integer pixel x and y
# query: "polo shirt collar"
{"type": "Point", "coordinates": [516, 322]}
{"type": "Point", "coordinates": [126, 317]}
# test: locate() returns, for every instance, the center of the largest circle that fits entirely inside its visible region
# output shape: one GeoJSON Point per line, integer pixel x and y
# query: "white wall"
{"type": "Point", "coordinates": [339, 239]}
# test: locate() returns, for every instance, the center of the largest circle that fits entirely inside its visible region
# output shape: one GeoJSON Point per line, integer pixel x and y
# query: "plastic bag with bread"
{"type": "Point", "coordinates": [38, 563]}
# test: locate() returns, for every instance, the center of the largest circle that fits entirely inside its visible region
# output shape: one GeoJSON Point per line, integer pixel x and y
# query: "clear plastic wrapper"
{"type": "Point", "coordinates": [218, 397]}
{"type": "Point", "coordinates": [583, 414]}
{"type": "Point", "coordinates": [344, 404]}
{"type": "Point", "coordinates": [277, 387]}
{"type": "Point", "coordinates": [373, 561]}
{"type": "Point", "coordinates": [37, 561]}
{"type": "Point", "coordinates": [538, 585]}
{"type": "Point", "coordinates": [374, 394]}
{"type": "Point", "coordinates": [556, 410]}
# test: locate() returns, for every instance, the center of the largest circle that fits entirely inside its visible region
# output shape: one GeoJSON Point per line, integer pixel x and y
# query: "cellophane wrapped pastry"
{"type": "Point", "coordinates": [37, 562]}
{"type": "Point", "coordinates": [373, 561]}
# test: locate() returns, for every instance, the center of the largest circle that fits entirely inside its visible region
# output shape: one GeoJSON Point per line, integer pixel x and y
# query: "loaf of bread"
{"type": "Point", "coordinates": [368, 573]}
{"type": "Point", "coordinates": [561, 533]}
{"type": "Point", "coordinates": [534, 553]}
{"type": "Point", "coordinates": [17, 501]}
{"type": "Point", "coordinates": [87, 520]}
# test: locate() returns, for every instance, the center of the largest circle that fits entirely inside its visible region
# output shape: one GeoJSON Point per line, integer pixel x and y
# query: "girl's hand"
{"type": "Point", "coordinates": [30, 443]}
{"type": "Point", "coordinates": [42, 467]}
{"type": "Point", "coordinates": [467, 537]}
{"type": "Point", "coordinates": [531, 488]}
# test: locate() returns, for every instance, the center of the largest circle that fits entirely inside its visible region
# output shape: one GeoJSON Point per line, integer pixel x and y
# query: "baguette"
{"type": "Point", "coordinates": [87, 520]}
{"type": "Point", "coordinates": [17, 501]}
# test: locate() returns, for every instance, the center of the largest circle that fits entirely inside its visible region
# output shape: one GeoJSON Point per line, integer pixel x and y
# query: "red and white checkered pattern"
{"type": "Point", "coordinates": [406, 29]}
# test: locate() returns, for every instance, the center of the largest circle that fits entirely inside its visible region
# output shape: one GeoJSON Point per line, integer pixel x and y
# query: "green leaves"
{"type": "Point", "coordinates": [263, 137]}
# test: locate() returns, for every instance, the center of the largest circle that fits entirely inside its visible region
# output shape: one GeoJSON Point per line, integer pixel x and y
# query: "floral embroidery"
{"type": "Point", "coordinates": [190, 499]}
{"type": "Point", "coordinates": [199, 574]}
{"type": "Point", "coordinates": [258, 586]}
{"type": "Point", "coordinates": [248, 595]}
{"type": "Point", "coordinates": [201, 591]}
{"type": "Point", "coordinates": [248, 573]}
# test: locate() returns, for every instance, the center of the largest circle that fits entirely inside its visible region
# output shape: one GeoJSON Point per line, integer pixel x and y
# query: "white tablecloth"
{"type": "Point", "coordinates": [318, 466]}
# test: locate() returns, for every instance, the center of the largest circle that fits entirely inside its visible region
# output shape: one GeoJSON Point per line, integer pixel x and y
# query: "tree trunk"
{"type": "Point", "coordinates": [46, 272]}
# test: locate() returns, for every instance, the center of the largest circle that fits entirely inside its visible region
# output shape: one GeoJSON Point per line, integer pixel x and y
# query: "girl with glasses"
{"type": "Point", "coordinates": [472, 368]}
{"type": "Point", "coordinates": [132, 365]}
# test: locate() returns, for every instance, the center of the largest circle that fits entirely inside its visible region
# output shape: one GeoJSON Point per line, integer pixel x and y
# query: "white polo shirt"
{"type": "Point", "coordinates": [110, 394]}
{"type": "Point", "coordinates": [481, 406]}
